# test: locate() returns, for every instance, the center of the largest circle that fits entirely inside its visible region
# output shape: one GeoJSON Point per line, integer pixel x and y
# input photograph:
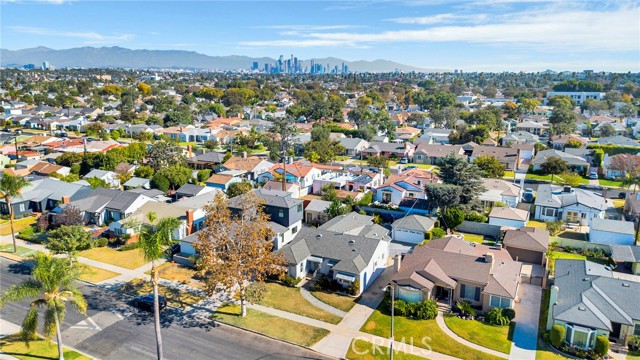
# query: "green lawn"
{"type": "Point", "coordinates": [537, 224]}
{"type": "Point", "coordinates": [610, 183]}
{"type": "Point", "coordinates": [130, 259]}
{"type": "Point", "coordinates": [509, 175]}
{"type": "Point", "coordinates": [633, 355]}
{"type": "Point", "coordinates": [342, 302]}
{"type": "Point", "coordinates": [570, 256]}
{"type": "Point", "coordinates": [39, 349]}
{"type": "Point", "coordinates": [538, 177]}
{"type": "Point", "coordinates": [364, 350]}
{"type": "Point", "coordinates": [380, 324]}
{"type": "Point", "coordinates": [18, 224]}
{"type": "Point", "coordinates": [289, 299]}
{"type": "Point", "coordinates": [475, 238]}
{"type": "Point", "coordinates": [270, 325]}
{"type": "Point", "coordinates": [489, 336]}
{"type": "Point", "coordinates": [22, 251]}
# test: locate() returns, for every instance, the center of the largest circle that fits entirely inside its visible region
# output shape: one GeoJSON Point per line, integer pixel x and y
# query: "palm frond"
{"type": "Point", "coordinates": [30, 323]}
{"type": "Point", "coordinates": [77, 301]}
{"type": "Point", "coordinates": [29, 289]}
{"type": "Point", "coordinates": [50, 320]}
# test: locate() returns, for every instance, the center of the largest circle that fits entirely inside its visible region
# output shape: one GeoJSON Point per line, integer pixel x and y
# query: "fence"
{"type": "Point", "coordinates": [480, 228]}
{"type": "Point", "coordinates": [579, 244]}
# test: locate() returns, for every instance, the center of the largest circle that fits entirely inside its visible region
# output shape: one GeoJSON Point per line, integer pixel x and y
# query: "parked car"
{"type": "Point", "coordinates": [622, 195]}
{"type": "Point", "coordinates": [411, 167]}
{"type": "Point", "coordinates": [172, 250]}
{"type": "Point", "coordinates": [404, 161]}
{"type": "Point", "coordinates": [528, 195]}
{"type": "Point", "coordinates": [145, 302]}
{"type": "Point", "coordinates": [593, 176]}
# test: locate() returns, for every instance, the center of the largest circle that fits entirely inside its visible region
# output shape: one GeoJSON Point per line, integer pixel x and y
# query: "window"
{"type": "Point", "coordinates": [470, 292]}
{"type": "Point", "coordinates": [636, 330]}
{"type": "Point", "coordinates": [280, 213]}
{"type": "Point", "coordinates": [580, 336]}
{"type": "Point", "coordinates": [386, 196]}
{"type": "Point", "coordinates": [572, 216]}
{"type": "Point", "coordinates": [499, 302]}
{"type": "Point", "coordinates": [549, 212]}
{"type": "Point", "coordinates": [300, 208]}
{"type": "Point", "coordinates": [294, 230]}
{"type": "Point", "coordinates": [21, 207]}
{"type": "Point", "coordinates": [302, 266]}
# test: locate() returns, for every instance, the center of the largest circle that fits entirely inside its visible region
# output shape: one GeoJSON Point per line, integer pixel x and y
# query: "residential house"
{"type": "Point", "coordinates": [559, 142]}
{"type": "Point", "coordinates": [432, 153]}
{"type": "Point", "coordinates": [189, 190]}
{"type": "Point", "coordinates": [131, 225]}
{"type": "Point", "coordinates": [316, 212]}
{"type": "Point", "coordinates": [498, 190]}
{"type": "Point", "coordinates": [578, 96]}
{"type": "Point", "coordinates": [618, 128]}
{"type": "Point", "coordinates": [42, 195]}
{"type": "Point", "coordinates": [222, 181]}
{"type": "Point", "coordinates": [389, 150]}
{"type": "Point", "coordinates": [284, 211]}
{"type": "Point", "coordinates": [293, 189]}
{"type": "Point", "coordinates": [527, 244]}
{"type": "Point", "coordinates": [436, 136]}
{"type": "Point", "coordinates": [360, 181]}
{"type": "Point", "coordinates": [519, 137]}
{"type": "Point", "coordinates": [353, 146]}
{"type": "Point", "coordinates": [507, 156]}
{"type": "Point", "coordinates": [575, 163]}
{"type": "Point", "coordinates": [629, 161]}
{"type": "Point", "coordinates": [568, 204]}
{"type": "Point", "coordinates": [252, 165]}
{"type": "Point", "coordinates": [407, 185]}
{"type": "Point", "coordinates": [340, 256]}
{"type": "Point", "coordinates": [123, 205]}
{"type": "Point", "coordinates": [612, 232]}
{"type": "Point", "coordinates": [109, 177]}
{"type": "Point", "coordinates": [406, 133]}
{"type": "Point", "coordinates": [450, 269]}
{"type": "Point", "coordinates": [534, 127]}
{"type": "Point", "coordinates": [302, 175]}
{"type": "Point", "coordinates": [627, 258]}
{"type": "Point", "coordinates": [412, 228]}
{"type": "Point", "coordinates": [589, 300]}
{"type": "Point", "coordinates": [137, 182]}
{"type": "Point", "coordinates": [617, 140]}
{"type": "Point", "coordinates": [207, 160]}
{"type": "Point", "coordinates": [508, 217]}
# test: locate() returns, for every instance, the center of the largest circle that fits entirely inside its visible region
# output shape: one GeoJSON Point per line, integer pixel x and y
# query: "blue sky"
{"type": "Point", "coordinates": [473, 35]}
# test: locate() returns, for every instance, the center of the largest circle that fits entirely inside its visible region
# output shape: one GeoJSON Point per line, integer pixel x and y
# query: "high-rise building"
{"type": "Point", "coordinates": [255, 65]}
{"type": "Point", "coordinates": [46, 65]}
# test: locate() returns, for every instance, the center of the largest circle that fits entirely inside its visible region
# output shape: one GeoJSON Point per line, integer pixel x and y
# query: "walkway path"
{"type": "Point", "coordinates": [317, 303]}
{"type": "Point", "coordinates": [443, 326]}
{"type": "Point", "coordinates": [525, 334]}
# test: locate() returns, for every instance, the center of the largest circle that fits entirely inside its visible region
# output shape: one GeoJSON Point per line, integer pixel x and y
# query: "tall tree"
{"type": "Point", "coordinates": [563, 120]}
{"type": "Point", "coordinates": [553, 166]}
{"type": "Point", "coordinates": [490, 166]}
{"type": "Point", "coordinates": [235, 249]}
{"type": "Point", "coordinates": [154, 238]}
{"type": "Point", "coordinates": [51, 288]}
{"type": "Point", "coordinates": [281, 142]}
{"type": "Point", "coordinates": [457, 171]}
{"type": "Point", "coordinates": [165, 153]}
{"type": "Point", "coordinates": [10, 187]}
{"type": "Point", "coordinates": [239, 188]}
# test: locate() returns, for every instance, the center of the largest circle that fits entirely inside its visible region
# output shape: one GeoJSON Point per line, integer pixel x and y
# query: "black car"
{"type": "Point", "coordinates": [622, 195]}
{"type": "Point", "coordinates": [145, 302]}
{"type": "Point", "coordinates": [173, 249]}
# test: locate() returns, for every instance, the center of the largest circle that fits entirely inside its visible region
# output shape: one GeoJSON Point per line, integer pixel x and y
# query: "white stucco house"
{"type": "Point", "coordinates": [411, 228]}
{"type": "Point", "coordinates": [575, 206]}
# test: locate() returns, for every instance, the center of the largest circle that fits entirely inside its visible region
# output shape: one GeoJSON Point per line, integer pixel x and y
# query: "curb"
{"type": "Point", "coordinates": [271, 337]}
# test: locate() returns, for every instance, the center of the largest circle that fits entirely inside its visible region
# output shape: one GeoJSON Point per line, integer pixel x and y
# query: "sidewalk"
{"type": "Point", "coordinates": [443, 326]}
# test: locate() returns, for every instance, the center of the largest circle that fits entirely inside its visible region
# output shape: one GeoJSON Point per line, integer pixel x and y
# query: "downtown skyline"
{"type": "Point", "coordinates": [489, 35]}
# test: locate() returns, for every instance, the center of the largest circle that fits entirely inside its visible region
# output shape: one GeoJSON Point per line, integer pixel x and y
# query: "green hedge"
{"type": "Point", "coordinates": [615, 149]}
{"type": "Point", "coordinates": [558, 333]}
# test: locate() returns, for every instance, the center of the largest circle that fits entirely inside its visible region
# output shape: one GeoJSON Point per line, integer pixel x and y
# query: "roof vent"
{"type": "Point", "coordinates": [319, 235]}
{"type": "Point", "coordinates": [626, 284]}
{"type": "Point", "coordinates": [351, 242]}
{"type": "Point", "coordinates": [582, 308]}
{"type": "Point", "coordinates": [586, 279]}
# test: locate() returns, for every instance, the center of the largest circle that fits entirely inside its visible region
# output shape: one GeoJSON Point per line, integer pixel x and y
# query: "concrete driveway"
{"type": "Point", "coordinates": [525, 334]}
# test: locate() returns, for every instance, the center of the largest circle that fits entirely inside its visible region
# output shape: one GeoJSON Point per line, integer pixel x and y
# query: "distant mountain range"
{"type": "Point", "coordinates": [118, 57]}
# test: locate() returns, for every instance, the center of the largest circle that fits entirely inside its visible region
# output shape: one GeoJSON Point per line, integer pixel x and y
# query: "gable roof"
{"type": "Point", "coordinates": [509, 213]}
{"type": "Point", "coordinates": [555, 196]}
{"type": "Point", "coordinates": [414, 222]}
{"type": "Point", "coordinates": [613, 226]}
{"type": "Point", "coordinates": [527, 238]}
{"type": "Point", "coordinates": [572, 160]}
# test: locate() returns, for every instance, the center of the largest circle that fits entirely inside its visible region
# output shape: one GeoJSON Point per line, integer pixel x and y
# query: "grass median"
{"type": "Point", "coordinates": [13, 345]}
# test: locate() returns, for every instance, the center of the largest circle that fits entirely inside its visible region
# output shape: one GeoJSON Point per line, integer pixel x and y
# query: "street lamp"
{"type": "Point", "coordinates": [390, 286]}
{"type": "Point", "coordinates": [15, 141]}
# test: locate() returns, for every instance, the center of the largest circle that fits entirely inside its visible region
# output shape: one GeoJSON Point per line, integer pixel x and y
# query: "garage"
{"type": "Point", "coordinates": [528, 245]}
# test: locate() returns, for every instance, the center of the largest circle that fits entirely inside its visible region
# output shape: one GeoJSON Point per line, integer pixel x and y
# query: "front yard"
{"type": "Point", "coordinates": [18, 224]}
{"type": "Point", "coordinates": [95, 275]}
{"type": "Point", "coordinates": [364, 350]}
{"type": "Point", "coordinates": [22, 252]}
{"type": "Point", "coordinates": [289, 299]}
{"type": "Point", "coordinates": [270, 325]}
{"type": "Point", "coordinates": [175, 297]}
{"type": "Point", "coordinates": [342, 302]}
{"type": "Point", "coordinates": [179, 273]}
{"type": "Point", "coordinates": [610, 183]}
{"type": "Point", "coordinates": [380, 324]}
{"type": "Point", "coordinates": [130, 259]}
{"type": "Point", "coordinates": [489, 336]}
{"type": "Point", "coordinates": [13, 345]}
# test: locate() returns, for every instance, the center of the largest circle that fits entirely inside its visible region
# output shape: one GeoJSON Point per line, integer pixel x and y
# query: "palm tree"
{"type": "Point", "coordinates": [10, 187]}
{"type": "Point", "coordinates": [51, 287]}
{"type": "Point", "coordinates": [153, 240]}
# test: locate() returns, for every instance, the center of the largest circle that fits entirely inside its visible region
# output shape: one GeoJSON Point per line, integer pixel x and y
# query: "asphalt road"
{"type": "Point", "coordinates": [114, 330]}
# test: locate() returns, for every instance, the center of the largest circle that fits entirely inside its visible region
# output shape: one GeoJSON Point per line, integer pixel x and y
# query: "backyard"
{"type": "Point", "coordinates": [13, 345]}
{"type": "Point", "coordinates": [477, 332]}
{"type": "Point", "coordinates": [130, 259]}
{"type": "Point", "coordinates": [380, 324]}
{"type": "Point", "coordinates": [289, 299]}
{"type": "Point", "coordinates": [476, 238]}
{"type": "Point", "coordinates": [273, 326]}
{"type": "Point", "coordinates": [537, 224]}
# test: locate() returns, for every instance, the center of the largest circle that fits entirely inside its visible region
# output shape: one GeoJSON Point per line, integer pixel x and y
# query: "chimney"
{"type": "Point", "coordinates": [189, 152]}
{"type": "Point", "coordinates": [189, 221]}
{"type": "Point", "coordinates": [397, 263]}
{"type": "Point", "coordinates": [488, 258]}
{"type": "Point", "coordinates": [244, 154]}
{"type": "Point", "coordinates": [65, 200]}
{"type": "Point", "coordinates": [553, 299]}
{"type": "Point", "coordinates": [566, 189]}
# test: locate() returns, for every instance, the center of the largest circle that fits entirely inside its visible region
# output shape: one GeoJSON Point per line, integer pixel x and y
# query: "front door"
{"type": "Point", "coordinates": [615, 332]}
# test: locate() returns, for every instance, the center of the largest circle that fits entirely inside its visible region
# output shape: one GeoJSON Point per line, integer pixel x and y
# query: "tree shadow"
{"type": "Point", "coordinates": [21, 268]}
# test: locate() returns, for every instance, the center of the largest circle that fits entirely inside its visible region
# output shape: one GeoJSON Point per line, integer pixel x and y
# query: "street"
{"type": "Point", "coordinates": [115, 330]}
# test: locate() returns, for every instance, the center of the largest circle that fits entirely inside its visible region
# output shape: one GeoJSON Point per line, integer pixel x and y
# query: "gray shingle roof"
{"type": "Point", "coordinates": [613, 226]}
{"type": "Point", "coordinates": [351, 252]}
{"type": "Point", "coordinates": [136, 182]}
{"type": "Point", "coordinates": [347, 222]}
{"type": "Point", "coordinates": [625, 253]}
{"type": "Point", "coordinates": [588, 295]}
{"type": "Point", "coordinates": [414, 222]}
{"type": "Point", "coordinates": [554, 196]}
{"type": "Point", "coordinates": [617, 140]}
{"type": "Point", "coordinates": [274, 198]}
{"type": "Point", "coordinates": [123, 201]}
{"type": "Point", "coordinates": [190, 189]}
{"type": "Point", "coordinates": [572, 160]}
{"type": "Point", "coordinates": [527, 238]}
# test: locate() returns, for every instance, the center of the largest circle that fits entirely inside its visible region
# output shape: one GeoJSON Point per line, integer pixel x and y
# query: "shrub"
{"type": "Point", "coordinates": [131, 246]}
{"type": "Point", "coordinates": [558, 333]}
{"type": "Point", "coordinates": [466, 308]}
{"type": "Point", "coordinates": [26, 234]}
{"type": "Point", "coordinates": [437, 233]}
{"type": "Point", "coordinates": [602, 346]}
{"type": "Point", "coordinates": [495, 317]}
{"type": "Point", "coordinates": [475, 217]}
{"type": "Point", "coordinates": [554, 227]}
{"type": "Point", "coordinates": [354, 288]}
{"type": "Point", "coordinates": [290, 281]}
{"type": "Point", "coordinates": [509, 313]}
{"type": "Point", "coordinates": [400, 307]}
{"type": "Point", "coordinates": [426, 310]}
{"type": "Point", "coordinates": [101, 242]}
